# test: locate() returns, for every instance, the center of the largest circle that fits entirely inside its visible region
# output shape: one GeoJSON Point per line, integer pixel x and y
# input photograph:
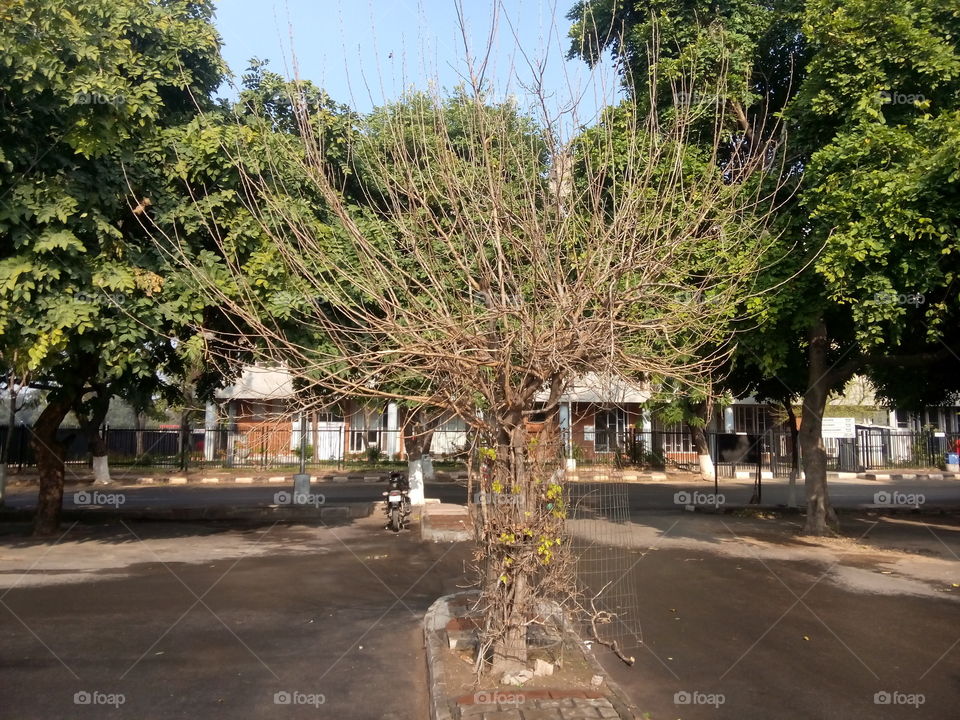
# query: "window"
{"type": "Point", "coordinates": [608, 432]}
{"type": "Point", "coordinates": [676, 439]}
{"type": "Point", "coordinates": [753, 419]}
{"type": "Point", "coordinates": [365, 428]}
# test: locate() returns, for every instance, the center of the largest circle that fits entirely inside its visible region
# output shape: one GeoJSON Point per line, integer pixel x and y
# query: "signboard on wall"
{"type": "Point", "coordinates": [839, 427]}
{"type": "Point", "coordinates": [738, 448]}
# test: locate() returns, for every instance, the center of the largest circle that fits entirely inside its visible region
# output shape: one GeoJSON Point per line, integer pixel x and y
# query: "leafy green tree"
{"type": "Point", "coordinates": [81, 90]}
{"type": "Point", "coordinates": [869, 94]}
{"type": "Point", "coordinates": [879, 111]}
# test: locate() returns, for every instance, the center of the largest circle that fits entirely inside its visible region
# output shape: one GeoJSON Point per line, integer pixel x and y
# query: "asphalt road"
{"type": "Point", "coordinates": [227, 620]}
{"type": "Point", "coordinates": [642, 496]}
{"type": "Point", "coordinates": [763, 639]}
{"type": "Point", "coordinates": [329, 618]}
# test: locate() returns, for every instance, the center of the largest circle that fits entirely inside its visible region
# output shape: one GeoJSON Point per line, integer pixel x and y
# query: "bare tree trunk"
{"type": "Point", "coordinates": [821, 518]}
{"type": "Point", "coordinates": [510, 648]}
{"type": "Point", "coordinates": [698, 437]}
{"type": "Point", "coordinates": [50, 456]}
{"type": "Point", "coordinates": [510, 653]}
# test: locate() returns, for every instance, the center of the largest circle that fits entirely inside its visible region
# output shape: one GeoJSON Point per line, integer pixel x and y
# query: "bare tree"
{"type": "Point", "coordinates": [493, 262]}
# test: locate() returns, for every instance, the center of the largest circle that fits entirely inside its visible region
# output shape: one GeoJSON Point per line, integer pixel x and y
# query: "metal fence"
{"type": "Point", "coordinates": [256, 446]}
{"type": "Point", "coordinates": [339, 445]}
{"type": "Point", "coordinates": [870, 448]}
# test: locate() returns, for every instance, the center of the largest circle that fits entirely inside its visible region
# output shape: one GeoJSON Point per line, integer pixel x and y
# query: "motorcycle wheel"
{"type": "Point", "coordinates": [395, 518]}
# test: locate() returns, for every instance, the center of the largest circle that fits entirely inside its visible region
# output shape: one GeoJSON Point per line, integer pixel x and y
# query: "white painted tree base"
{"type": "Point", "coordinates": [707, 471]}
{"type": "Point", "coordinates": [792, 488]}
{"type": "Point", "coordinates": [415, 477]}
{"type": "Point", "coordinates": [101, 470]}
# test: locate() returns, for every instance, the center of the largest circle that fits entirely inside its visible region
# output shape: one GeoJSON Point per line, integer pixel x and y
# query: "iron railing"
{"type": "Point", "coordinates": [338, 445]}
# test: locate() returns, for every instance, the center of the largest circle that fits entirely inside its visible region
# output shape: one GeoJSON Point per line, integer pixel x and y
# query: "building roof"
{"type": "Point", "coordinates": [260, 383]}
{"type": "Point", "coordinates": [601, 389]}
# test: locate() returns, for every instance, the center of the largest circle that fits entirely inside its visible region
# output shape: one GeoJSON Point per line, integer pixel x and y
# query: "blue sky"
{"type": "Point", "coordinates": [365, 52]}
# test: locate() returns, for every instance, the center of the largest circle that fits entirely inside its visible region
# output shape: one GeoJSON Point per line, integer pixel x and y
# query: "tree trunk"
{"type": "Point", "coordinates": [138, 433]}
{"type": "Point", "coordinates": [821, 518]}
{"type": "Point", "coordinates": [50, 455]}
{"type": "Point", "coordinates": [426, 458]}
{"type": "Point", "coordinates": [414, 448]}
{"type": "Point", "coordinates": [511, 469]}
{"type": "Point", "coordinates": [101, 463]}
{"type": "Point", "coordinates": [510, 652]}
{"type": "Point", "coordinates": [699, 439]}
{"type": "Point", "coordinates": [419, 464]}
{"type": "Point", "coordinates": [91, 415]}
{"type": "Point", "coordinates": [184, 440]}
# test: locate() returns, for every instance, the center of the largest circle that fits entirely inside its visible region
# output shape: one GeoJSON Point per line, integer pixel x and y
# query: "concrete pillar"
{"type": "Point", "coordinates": [210, 432]}
{"type": "Point", "coordinates": [231, 431]}
{"type": "Point", "coordinates": [566, 433]}
{"type": "Point", "coordinates": [728, 424]}
{"type": "Point", "coordinates": [392, 445]}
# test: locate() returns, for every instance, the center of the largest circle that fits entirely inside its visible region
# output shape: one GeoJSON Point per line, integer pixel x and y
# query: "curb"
{"type": "Point", "coordinates": [434, 624]}
{"type": "Point", "coordinates": [436, 619]}
{"type": "Point", "coordinates": [201, 480]}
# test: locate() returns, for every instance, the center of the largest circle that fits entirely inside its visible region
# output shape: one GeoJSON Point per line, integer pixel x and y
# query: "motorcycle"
{"type": "Point", "coordinates": [397, 505]}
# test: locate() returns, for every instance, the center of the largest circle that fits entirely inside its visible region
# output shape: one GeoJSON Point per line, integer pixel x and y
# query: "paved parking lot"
{"type": "Point", "coordinates": [187, 621]}
{"type": "Point", "coordinates": [727, 616]}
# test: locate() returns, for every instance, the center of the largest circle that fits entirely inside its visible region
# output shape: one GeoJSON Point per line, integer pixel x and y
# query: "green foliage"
{"type": "Point", "coordinates": [869, 91]}
{"type": "Point", "coordinates": [82, 90]}
{"type": "Point", "coordinates": [881, 98]}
